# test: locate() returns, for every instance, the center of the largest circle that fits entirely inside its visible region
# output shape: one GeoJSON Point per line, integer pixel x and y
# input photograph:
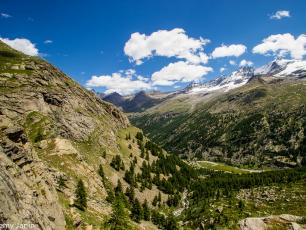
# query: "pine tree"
{"type": "Point", "coordinates": [146, 211]}
{"type": "Point", "coordinates": [135, 160]}
{"type": "Point", "coordinates": [171, 223]}
{"type": "Point", "coordinates": [122, 167]}
{"type": "Point", "coordinates": [139, 136]}
{"type": "Point", "coordinates": [142, 153]}
{"type": "Point", "coordinates": [158, 219]}
{"type": "Point", "coordinates": [110, 195]}
{"type": "Point", "coordinates": [118, 189]}
{"type": "Point", "coordinates": [136, 211]}
{"type": "Point", "coordinates": [130, 192]}
{"type": "Point", "coordinates": [101, 171]}
{"type": "Point", "coordinates": [119, 219]}
{"type": "Point", "coordinates": [80, 194]}
{"type": "Point", "coordinates": [155, 200]}
{"type": "Point", "coordinates": [241, 205]}
{"type": "Point", "coordinates": [147, 156]}
{"type": "Point", "coordinates": [159, 197]}
{"type": "Point", "coordinates": [117, 163]}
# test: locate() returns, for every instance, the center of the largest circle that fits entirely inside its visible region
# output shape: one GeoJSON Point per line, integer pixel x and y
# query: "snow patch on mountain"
{"type": "Point", "coordinates": [295, 69]}
{"type": "Point", "coordinates": [279, 68]}
{"type": "Point", "coordinates": [283, 68]}
{"type": "Point", "coordinates": [236, 79]}
{"type": "Point", "coordinates": [273, 67]}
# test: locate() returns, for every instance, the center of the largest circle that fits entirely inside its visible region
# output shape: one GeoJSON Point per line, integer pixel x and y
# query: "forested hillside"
{"type": "Point", "coordinates": [261, 123]}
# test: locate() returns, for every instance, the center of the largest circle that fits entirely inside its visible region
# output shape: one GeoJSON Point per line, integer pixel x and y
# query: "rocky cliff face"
{"type": "Point", "coordinates": [48, 123]}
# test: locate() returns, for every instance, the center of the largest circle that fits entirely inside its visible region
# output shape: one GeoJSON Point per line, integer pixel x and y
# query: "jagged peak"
{"type": "Point", "coordinates": [141, 93]}
{"type": "Point", "coordinates": [115, 93]}
{"type": "Point", "coordinates": [273, 67]}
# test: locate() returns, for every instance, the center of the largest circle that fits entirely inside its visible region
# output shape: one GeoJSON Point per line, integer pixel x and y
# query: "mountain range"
{"type": "Point", "coordinates": [279, 69]}
{"type": "Point", "coordinates": [254, 116]}
{"type": "Point", "coordinates": [135, 103]}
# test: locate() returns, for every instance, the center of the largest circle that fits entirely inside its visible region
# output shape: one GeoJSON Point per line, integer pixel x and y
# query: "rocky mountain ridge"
{"type": "Point", "coordinates": [278, 69]}
{"type": "Point", "coordinates": [135, 103]}
{"type": "Point", "coordinates": [234, 80]}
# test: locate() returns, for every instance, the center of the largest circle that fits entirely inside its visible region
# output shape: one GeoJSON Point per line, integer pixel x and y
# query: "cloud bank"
{"type": "Point", "coordinates": [281, 45]}
{"type": "Point", "coordinates": [21, 44]}
{"type": "Point", "coordinates": [227, 51]}
{"type": "Point", "coordinates": [121, 82]}
{"type": "Point", "coordinates": [179, 72]}
{"type": "Point", "coordinates": [166, 43]}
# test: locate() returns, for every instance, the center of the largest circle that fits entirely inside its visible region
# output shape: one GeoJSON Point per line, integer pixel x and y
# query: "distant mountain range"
{"type": "Point", "coordinates": [135, 103]}
{"type": "Point", "coordinates": [279, 69]}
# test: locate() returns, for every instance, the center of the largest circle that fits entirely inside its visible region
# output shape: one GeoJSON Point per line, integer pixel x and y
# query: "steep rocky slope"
{"type": "Point", "coordinates": [54, 132]}
{"type": "Point", "coordinates": [44, 116]}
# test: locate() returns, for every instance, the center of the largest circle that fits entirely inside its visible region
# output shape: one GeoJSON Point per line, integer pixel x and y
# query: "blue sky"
{"type": "Point", "coordinates": [88, 37]}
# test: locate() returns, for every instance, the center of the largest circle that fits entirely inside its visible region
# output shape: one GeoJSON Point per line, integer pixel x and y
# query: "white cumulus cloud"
{"type": "Point", "coordinates": [122, 83]}
{"type": "Point", "coordinates": [227, 51]}
{"type": "Point", "coordinates": [21, 44]}
{"type": "Point", "coordinates": [245, 63]}
{"type": "Point", "coordinates": [232, 62]}
{"type": "Point", "coordinates": [179, 72]}
{"type": "Point", "coordinates": [222, 69]}
{"type": "Point", "coordinates": [283, 44]}
{"type": "Point", "coordinates": [166, 43]}
{"type": "Point", "coordinates": [280, 14]}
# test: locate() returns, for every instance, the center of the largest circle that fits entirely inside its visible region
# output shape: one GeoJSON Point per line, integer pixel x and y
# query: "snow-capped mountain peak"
{"type": "Point", "coordinates": [273, 67]}
{"type": "Point", "coordinates": [236, 79]}
{"type": "Point", "coordinates": [283, 67]}
{"type": "Point", "coordinates": [243, 74]}
{"type": "Point", "coordinates": [296, 69]}
{"type": "Point", "coordinates": [278, 68]}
